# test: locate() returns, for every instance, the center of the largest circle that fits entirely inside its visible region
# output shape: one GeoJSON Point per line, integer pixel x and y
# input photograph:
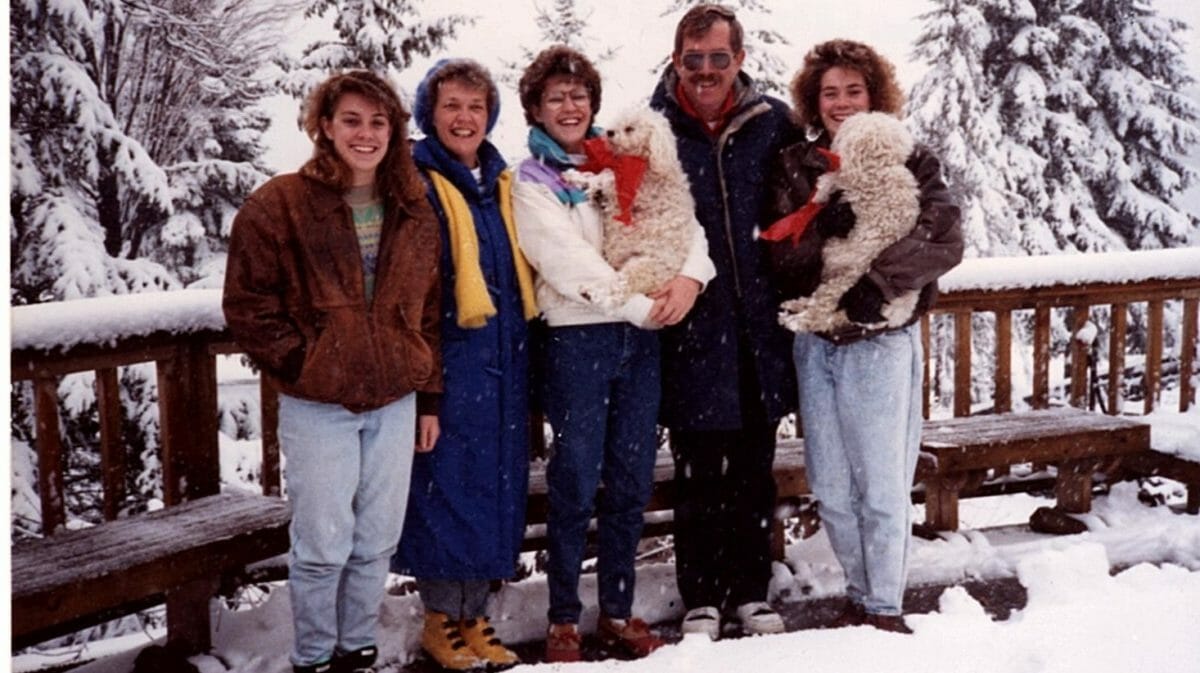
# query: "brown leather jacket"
{"type": "Point", "coordinates": [933, 247]}
{"type": "Point", "coordinates": [295, 299]}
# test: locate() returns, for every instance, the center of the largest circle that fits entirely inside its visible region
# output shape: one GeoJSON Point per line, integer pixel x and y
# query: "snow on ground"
{"type": "Point", "coordinates": [1078, 616]}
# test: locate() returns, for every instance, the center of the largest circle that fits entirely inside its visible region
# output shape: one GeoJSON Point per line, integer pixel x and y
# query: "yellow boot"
{"type": "Point", "coordinates": [482, 640]}
{"type": "Point", "coordinates": [442, 640]}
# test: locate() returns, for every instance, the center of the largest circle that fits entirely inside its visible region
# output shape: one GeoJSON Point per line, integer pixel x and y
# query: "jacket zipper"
{"type": "Point", "coordinates": [734, 126]}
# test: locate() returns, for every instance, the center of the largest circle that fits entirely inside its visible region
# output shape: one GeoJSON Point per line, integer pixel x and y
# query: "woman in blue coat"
{"type": "Point", "coordinates": [467, 502]}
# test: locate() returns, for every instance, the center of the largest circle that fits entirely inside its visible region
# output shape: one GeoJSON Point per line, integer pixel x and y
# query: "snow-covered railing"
{"type": "Point", "coordinates": [1076, 283]}
{"type": "Point", "coordinates": [183, 331]}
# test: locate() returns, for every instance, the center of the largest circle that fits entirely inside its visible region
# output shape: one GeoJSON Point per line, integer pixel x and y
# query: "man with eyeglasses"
{"type": "Point", "coordinates": [727, 372]}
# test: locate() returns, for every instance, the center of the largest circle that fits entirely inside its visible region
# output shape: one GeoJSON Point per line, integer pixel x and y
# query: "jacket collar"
{"type": "Point", "coordinates": [324, 197]}
{"type": "Point", "coordinates": [430, 154]}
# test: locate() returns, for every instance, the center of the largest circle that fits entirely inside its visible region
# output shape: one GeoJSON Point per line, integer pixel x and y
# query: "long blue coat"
{"type": "Point", "coordinates": [728, 176]}
{"type": "Point", "coordinates": [466, 507]}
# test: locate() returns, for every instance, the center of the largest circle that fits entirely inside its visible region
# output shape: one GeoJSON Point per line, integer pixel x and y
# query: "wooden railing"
{"type": "Point", "coordinates": [187, 382]}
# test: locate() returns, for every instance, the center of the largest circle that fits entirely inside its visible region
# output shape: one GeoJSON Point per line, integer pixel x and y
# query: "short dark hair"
{"type": "Point", "coordinates": [700, 19]}
{"type": "Point", "coordinates": [878, 73]}
{"type": "Point", "coordinates": [554, 61]}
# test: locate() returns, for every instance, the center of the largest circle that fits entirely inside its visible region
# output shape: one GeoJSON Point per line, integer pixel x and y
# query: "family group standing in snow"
{"type": "Point", "coordinates": [393, 294]}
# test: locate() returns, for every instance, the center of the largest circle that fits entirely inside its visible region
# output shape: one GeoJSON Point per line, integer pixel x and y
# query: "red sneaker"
{"type": "Point", "coordinates": [631, 636]}
{"type": "Point", "coordinates": [562, 643]}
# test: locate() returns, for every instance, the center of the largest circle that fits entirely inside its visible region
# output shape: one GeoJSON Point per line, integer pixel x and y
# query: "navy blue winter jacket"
{"type": "Point", "coordinates": [728, 175]}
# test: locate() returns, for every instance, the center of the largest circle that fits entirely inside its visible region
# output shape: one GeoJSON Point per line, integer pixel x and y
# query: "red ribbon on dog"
{"type": "Point", "coordinates": [627, 169]}
{"type": "Point", "coordinates": [793, 224]}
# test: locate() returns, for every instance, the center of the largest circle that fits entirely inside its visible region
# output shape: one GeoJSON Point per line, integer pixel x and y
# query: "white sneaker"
{"type": "Point", "coordinates": [759, 618]}
{"type": "Point", "coordinates": [705, 620]}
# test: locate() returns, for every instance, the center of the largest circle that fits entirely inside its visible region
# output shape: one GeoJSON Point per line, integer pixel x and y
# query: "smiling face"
{"type": "Point", "coordinates": [565, 111]}
{"type": "Point", "coordinates": [460, 117]}
{"type": "Point", "coordinates": [359, 130]}
{"type": "Point", "coordinates": [843, 92]}
{"type": "Point", "coordinates": [707, 86]}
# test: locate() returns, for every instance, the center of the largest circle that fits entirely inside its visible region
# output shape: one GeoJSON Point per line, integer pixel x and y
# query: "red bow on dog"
{"type": "Point", "coordinates": [627, 169]}
{"type": "Point", "coordinates": [793, 224]}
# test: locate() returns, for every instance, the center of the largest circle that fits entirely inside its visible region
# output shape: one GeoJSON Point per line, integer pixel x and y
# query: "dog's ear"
{"type": "Point", "coordinates": [662, 140]}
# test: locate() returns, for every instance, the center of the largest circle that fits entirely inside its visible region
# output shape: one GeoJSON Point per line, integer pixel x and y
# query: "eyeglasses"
{"type": "Point", "coordinates": [719, 60]}
{"type": "Point", "coordinates": [579, 98]}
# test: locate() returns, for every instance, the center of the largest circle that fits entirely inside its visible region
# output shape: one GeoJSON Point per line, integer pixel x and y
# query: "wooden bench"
{"type": "Point", "coordinates": [957, 457]}
{"type": "Point", "coordinates": [1078, 443]}
{"type": "Point", "coordinates": [67, 581]}
{"type": "Point", "coordinates": [1155, 463]}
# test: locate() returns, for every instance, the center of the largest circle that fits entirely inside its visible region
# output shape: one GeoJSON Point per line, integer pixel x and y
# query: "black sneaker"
{"type": "Point", "coordinates": [358, 661]}
{"type": "Point", "coordinates": [323, 667]}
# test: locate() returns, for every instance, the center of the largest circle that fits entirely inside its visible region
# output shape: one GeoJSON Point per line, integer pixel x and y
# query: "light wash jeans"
{"type": "Point", "coordinates": [347, 480]}
{"type": "Point", "coordinates": [860, 404]}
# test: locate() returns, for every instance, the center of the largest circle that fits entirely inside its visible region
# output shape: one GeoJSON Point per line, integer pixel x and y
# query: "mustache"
{"type": "Point", "coordinates": [704, 79]}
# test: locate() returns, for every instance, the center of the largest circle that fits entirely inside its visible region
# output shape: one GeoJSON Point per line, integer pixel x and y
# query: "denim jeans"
{"type": "Point", "coordinates": [347, 480]}
{"type": "Point", "coordinates": [457, 599]}
{"type": "Point", "coordinates": [860, 405]}
{"type": "Point", "coordinates": [602, 394]}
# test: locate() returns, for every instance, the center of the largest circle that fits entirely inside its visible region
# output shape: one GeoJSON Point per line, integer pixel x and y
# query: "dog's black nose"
{"type": "Point", "coordinates": [611, 133]}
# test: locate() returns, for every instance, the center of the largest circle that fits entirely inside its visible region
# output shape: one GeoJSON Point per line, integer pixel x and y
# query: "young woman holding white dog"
{"type": "Point", "coordinates": [602, 367]}
{"type": "Point", "coordinates": [860, 385]}
{"type": "Point", "coordinates": [466, 516]}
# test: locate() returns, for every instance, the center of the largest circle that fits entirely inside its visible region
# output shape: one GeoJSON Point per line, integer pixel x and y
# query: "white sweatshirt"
{"type": "Point", "coordinates": [563, 244]}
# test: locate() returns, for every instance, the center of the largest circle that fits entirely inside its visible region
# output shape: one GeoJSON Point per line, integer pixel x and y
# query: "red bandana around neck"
{"type": "Point", "coordinates": [627, 169]}
{"type": "Point", "coordinates": [793, 224]}
{"type": "Point", "coordinates": [713, 128]}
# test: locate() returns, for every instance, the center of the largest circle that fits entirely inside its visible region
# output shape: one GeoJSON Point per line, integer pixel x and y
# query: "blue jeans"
{"type": "Point", "coordinates": [347, 480]}
{"type": "Point", "coordinates": [602, 394]}
{"type": "Point", "coordinates": [860, 405]}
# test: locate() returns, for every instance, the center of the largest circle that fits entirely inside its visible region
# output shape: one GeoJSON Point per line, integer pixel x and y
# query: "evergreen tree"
{"type": "Point", "coordinates": [1061, 123]}
{"type": "Point", "coordinates": [562, 24]}
{"type": "Point", "coordinates": [371, 34]}
{"type": "Point", "coordinates": [763, 44]}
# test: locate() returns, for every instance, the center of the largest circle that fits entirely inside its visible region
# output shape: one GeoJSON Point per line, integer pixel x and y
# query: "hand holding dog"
{"type": "Point", "coordinates": [674, 300]}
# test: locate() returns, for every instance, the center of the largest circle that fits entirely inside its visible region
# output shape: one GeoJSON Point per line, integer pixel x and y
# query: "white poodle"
{"type": "Point", "coordinates": [651, 248]}
{"type": "Point", "coordinates": [873, 148]}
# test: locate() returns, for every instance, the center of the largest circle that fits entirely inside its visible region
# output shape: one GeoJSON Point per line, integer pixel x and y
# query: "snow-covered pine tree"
{"type": "Point", "coordinates": [1086, 95]}
{"type": "Point", "coordinates": [561, 24]}
{"type": "Point", "coordinates": [764, 61]}
{"type": "Point", "coordinates": [377, 35]}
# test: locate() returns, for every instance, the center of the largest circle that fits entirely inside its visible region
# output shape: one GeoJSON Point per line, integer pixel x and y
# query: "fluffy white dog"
{"type": "Point", "coordinates": [650, 249]}
{"type": "Point", "coordinates": [873, 148]}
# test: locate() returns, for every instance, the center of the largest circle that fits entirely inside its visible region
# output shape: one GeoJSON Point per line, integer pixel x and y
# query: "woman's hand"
{"type": "Point", "coordinates": [677, 296]}
{"type": "Point", "coordinates": [427, 433]}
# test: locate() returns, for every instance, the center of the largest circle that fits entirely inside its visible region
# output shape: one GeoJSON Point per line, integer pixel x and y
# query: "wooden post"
{"type": "Point", "coordinates": [1187, 358]}
{"type": "Point", "coordinates": [1079, 351]}
{"type": "Point", "coordinates": [187, 418]}
{"type": "Point", "coordinates": [51, 486]}
{"type": "Point", "coordinates": [1116, 358]}
{"type": "Point", "coordinates": [1073, 487]}
{"type": "Point", "coordinates": [1154, 351]}
{"type": "Point", "coordinates": [962, 363]}
{"type": "Point", "coordinates": [941, 500]}
{"type": "Point", "coordinates": [1041, 357]}
{"type": "Point", "coordinates": [112, 449]}
{"type": "Point", "coordinates": [269, 404]}
{"type": "Point", "coordinates": [1002, 392]}
{"type": "Point", "coordinates": [189, 625]}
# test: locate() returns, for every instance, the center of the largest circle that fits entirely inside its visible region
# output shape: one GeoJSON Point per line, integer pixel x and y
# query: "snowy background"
{"type": "Point", "coordinates": [1079, 616]}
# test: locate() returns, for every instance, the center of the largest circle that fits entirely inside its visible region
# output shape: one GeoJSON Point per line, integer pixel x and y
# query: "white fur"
{"type": "Point", "coordinates": [651, 251]}
{"type": "Point", "coordinates": [883, 194]}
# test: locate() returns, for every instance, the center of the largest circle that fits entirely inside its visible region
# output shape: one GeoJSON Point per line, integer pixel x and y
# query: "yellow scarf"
{"type": "Point", "coordinates": [470, 292]}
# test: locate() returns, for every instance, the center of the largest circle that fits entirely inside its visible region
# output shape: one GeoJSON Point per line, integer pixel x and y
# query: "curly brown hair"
{"type": "Point", "coordinates": [557, 60]}
{"type": "Point", "coordinates": [878, 72]}
{"type": "Point", "coordinates": [700, 19]}
{"type": "Point", "coordinates": [396, 177]}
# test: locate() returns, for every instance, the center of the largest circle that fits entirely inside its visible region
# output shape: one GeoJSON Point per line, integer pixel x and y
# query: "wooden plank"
{"type": "Point", "coordinates": [112, 449]}
{"type": "Point", "coordinates": [1002, 392]}
{"type": "Point", "coordinates": [1079, 358]}
{"type": "Point", "coordinates": [268, 395]}
{"type": "Point", "coordinates": [1116, 358]}
{"type": "Point", "coordinates": [51, 486]}
{"type": "Point", "coordinates": [1041, 358]}
{"type": "Point", "coordinates": [1187, 355]}
{"type": "Point", "coordinates": [1154, 352]}
{"type": "Point", "coordinates": [1067, 295]}
{"type": "Point", "coordinates": [962, 363]}
{"type": "Point", "coordinates": [187, 402]}
{"type": "Point", "coordinates": [77, 573]}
